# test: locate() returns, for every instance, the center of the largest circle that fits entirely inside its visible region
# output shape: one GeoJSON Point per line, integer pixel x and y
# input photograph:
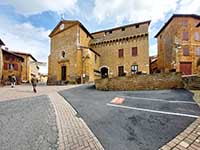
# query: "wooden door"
{"type": "Point", "coordinates": [120, 70]}
{"type": "Point", "coordinates": [186, 68]}
{"type": "Point", "coordinates": [63, 73]}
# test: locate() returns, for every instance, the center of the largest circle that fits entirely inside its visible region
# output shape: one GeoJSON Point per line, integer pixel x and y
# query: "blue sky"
{"type": "Point", "coordinates": [26, 24]}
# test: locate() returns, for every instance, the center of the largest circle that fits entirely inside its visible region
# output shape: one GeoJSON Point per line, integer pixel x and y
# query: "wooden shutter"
{"type": "Point", "coordinates": [134, 51]}
{"type": "Point", "coordinates": [16, 67]}
{"type": "Point", "coordinates": [5, 66]}
{"type": "Point", "coordinates": [185, 36]}
{"type": "Point", "coordinates": [185, 52]}
{"type": "Point", "coordinates": [121, 53]}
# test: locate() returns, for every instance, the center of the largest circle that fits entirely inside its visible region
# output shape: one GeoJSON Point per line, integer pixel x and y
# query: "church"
{"type": "Point", "coordinates": [78, 56]}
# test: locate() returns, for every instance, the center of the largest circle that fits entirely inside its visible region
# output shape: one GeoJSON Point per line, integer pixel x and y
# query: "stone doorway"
{"type": "Point", "coordinates": [104, 72]}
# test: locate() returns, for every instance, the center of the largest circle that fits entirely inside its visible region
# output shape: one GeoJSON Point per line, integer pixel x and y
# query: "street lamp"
{"type": "Point", "coordinates": [177, 46]}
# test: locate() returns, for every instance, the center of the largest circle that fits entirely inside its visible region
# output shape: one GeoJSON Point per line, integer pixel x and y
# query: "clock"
{"type": "Point", "coordinates": [62, 26]}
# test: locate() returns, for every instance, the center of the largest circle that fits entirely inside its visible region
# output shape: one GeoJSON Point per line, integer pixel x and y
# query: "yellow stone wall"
{"type": "Point", "coordinates": [172, 34]}
{"type": "Point", "coordinates": [6, 72]}
{"type": "Point", "coordinates": [81, 51]}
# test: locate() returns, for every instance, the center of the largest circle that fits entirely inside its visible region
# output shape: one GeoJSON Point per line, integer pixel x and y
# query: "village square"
{"type": "Point", "coordinates": [101, 88]}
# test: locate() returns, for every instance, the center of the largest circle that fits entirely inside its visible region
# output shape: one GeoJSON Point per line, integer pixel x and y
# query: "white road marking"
{"type": "Point", "coordinates": [153, 111]}
{"type": "Point", "coordinates": [159, 100]}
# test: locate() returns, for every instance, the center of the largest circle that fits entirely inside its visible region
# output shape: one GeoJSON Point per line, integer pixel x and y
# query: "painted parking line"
{"type": "Point", "coordinates": [159, 100]}
{"type": "Point", "coordinates": [153, 111]}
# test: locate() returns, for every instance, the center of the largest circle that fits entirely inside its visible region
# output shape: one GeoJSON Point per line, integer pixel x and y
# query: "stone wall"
{"type": "Point", "coordinates": [141, 82]}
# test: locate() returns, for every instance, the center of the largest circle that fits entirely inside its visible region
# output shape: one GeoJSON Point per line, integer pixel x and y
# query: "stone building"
{"type": "Point", "coordinates": [124, 50]}
{"type": "Point", "coordinates": [12, 64]}
{"type": "Point", "coordinates": [179, 44]}
{"type": "Point", "coordinates": [29, 66]}
{"type": "Point", "coordinates": [79, 56]}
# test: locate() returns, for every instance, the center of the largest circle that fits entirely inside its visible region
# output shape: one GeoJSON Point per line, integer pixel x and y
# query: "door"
{"type": "Point", "coordinates": [186, 68]}
{"type": "Point", "coordinates": [104, 72]}
{"type": "Point", "coordinates": [63, 73]}
{"type": "Point", "coordinates": [121, 71]}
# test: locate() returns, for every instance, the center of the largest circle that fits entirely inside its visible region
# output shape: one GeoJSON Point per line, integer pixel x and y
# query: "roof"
{"type": "Point", "coordinates": [11, 53]}
{"type": "Point", "coordinates": [1, 42]}
{"type": "Point", "coordinates": [26, 54]}
{"type": "Point", "coordinates": [198, 25]}
{"type": "Point", "coordinates": [172, 17]}
{"type": "Point", "coordinates": [71, 21]}
{"type": "Point", "coordinates": [124, 26]}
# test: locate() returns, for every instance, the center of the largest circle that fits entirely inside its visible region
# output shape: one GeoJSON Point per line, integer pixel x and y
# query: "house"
{"type": "Point", "coordinates": [1, 59]}
{"type": "Point", "coordinates": [153, 61]}
{"type": "Point", "coordinates": [179, 44]}
{"type": "Point", "coordinates": [79, 56]}
{"type": "Point", "coordinates": [12, 64]}
{"type": "Point", "coordinates": [29, 66]}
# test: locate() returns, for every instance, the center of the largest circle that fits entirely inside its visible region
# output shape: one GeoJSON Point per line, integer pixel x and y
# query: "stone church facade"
{"type": "Point", "coordinates": [78, 56]}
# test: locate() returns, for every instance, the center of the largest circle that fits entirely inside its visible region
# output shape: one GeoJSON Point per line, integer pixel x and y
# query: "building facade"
{"type": "Point", "coordinates": [29, 67]}
{"type": "Point", "coordinates": [79, 56]}
{"type": "Point", "coordinates": [179, 44]}
{"type": "Point", "coordinates": [12, 64]}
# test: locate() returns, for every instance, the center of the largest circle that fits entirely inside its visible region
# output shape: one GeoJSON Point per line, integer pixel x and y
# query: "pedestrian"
{"type": "Point", "coordinates": [13, 81]}
{"type": "Point", "coordinates": [34, 82]}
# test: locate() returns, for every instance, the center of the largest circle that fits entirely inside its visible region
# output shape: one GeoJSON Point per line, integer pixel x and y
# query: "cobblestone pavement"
{"type": "Point", "coordinates": [73, 133]}
{"type": "Point", "coordinates": [28, 123]}
{"type": "Point", "coordinates": [189, 139]}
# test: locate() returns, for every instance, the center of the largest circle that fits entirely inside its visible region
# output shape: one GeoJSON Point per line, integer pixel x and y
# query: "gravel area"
{"type": "Point", "coordinates": [28, 124]}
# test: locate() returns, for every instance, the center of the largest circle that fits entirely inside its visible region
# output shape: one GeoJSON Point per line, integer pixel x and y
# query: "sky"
{"type": "Point", "coordinates": [26, 24]}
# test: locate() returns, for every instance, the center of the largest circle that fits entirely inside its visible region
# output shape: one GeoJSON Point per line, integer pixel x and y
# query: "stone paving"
{"type": "Point", "coordinates": [189, 139]}
{"type": "Point", "coordinates": [73, 132]}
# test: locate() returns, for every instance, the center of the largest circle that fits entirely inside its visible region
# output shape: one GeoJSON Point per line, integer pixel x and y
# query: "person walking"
{"type": "Point", "coordinates": [34, 82]}
{"type": "Point", "coordinates": [13, 81]}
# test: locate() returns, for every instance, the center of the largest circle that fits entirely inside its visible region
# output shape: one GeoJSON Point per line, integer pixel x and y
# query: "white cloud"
{"type": "Point", "coordinates": [189, 7]}
{"type": "Point", "coordinates": [133, 10]}
{"type": "Point", "coordinates": [153, 50]}
{"type": "Point", "coordinates": [28, 7]}
{"type": "Point", "coordinates": [26, 38]}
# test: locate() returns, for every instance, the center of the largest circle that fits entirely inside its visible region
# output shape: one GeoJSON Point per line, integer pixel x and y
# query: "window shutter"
{"type": "Point", "coordinates": [16, 66]}
{"type": "Point", "coordinates": [185, 52]}
{"type": "Point", "coordinates": [185, 36]}
{"type": "Point", "coordinates": [121, 52]}
{"type": "Point", "coordinates": [134, 51]}
{"type": "Point", "coordinates": [196, 36]}
{"type": "Point", "coordinates": [5, 66]}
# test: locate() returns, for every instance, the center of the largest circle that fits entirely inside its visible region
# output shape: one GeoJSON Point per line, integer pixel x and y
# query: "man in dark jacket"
{"type": "Point", "coordinates": [34, 82]}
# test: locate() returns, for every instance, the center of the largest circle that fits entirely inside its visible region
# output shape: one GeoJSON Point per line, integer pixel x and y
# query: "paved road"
{"type": "Point", "coordinates": [28, 124]}
{"type": "Point", "coordinates": [119, 128]}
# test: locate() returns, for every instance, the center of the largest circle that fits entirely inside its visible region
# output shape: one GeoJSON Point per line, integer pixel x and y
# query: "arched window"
{"type": "Point", "coordinates": [63, 54]}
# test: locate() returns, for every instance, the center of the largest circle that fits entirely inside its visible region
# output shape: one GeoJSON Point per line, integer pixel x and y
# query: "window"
{"type": "Point", "coordinates": [160, 36]}
{"type": "Point", "coordinates": [11, 66]}
{"type": "Point", "coordinates": [134, 51]}
{"type": "Point", "coordinates": [185, 51]}
{"type": "Point", "coordinates": [121, 71]}
{"type": "Point", "coordinates": [137, 26]}
{"type": "Point", "coordinates": [185, 36]}
{"type": "Point", "coordinates": [197, 50]}
{"type": "Point", "coordinates": [110, 31]}
{"type": "Point", "coordinates": [184, 22]}
{"type": "Point", "coordinates": [123, 28]}
{"type": "Point", "coordinates": [196, 36]}
{"type": "Point", "coordinates": [95, 58]}
{"type": "Point", "coordinates": [63, 54]}
{"type": "Point", "coordinates": [121, 53]}
{"type": "Point", "coordinates": [134, 69]}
